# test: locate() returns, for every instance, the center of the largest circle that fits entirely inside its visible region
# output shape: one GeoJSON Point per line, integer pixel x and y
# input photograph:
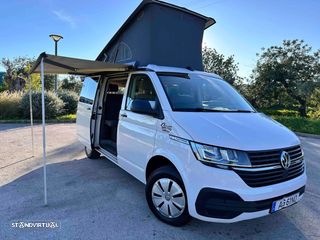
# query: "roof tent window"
{"type": "Point", "coordinates": [113, 54]}
{"type": "Point", "coordinates": [121, 52]}
{"type": "Point", "coordinates": [124, 52]}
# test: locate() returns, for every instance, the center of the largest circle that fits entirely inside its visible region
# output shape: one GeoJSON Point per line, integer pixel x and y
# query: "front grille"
{"type": "Point", "coordinates": [272, 157]}
{"type": "Point", "coordinates": [273, 174]}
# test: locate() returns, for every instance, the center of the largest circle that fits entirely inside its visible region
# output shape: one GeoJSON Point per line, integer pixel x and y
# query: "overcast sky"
{"type": "Point", "coordinates": [243, 26]}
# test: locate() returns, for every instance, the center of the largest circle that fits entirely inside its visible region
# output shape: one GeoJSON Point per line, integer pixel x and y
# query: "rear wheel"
{"type": "Point", "coordinates": [166, 196]}
{"type": "Point", "coordinates": [91, 153]}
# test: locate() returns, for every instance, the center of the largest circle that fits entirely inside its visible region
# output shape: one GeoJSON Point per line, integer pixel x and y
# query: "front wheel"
{"type": "Point", "coordinates": [166, 196]}
{"type": "Point", "coordinates": [91, 153]}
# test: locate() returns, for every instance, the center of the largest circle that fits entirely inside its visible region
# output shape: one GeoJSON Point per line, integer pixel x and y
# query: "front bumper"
{"type": "Point", "coordinates": [234, 191]}
{"type": "Point", "coordinates": [222, 204]}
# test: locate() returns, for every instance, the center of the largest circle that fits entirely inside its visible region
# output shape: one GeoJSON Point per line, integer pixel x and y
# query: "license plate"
{"type": "Point", "coordinates": [284, 202]}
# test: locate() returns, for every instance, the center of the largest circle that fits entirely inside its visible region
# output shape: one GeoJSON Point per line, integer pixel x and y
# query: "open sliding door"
{"type": "Point", "coordinates": [85, 113]}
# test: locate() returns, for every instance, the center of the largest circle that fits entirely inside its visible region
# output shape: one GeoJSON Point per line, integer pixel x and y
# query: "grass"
{"type": "Point", "coordinates": [299, 124]}
{"type": "Point", "coordinates": [69, 118]}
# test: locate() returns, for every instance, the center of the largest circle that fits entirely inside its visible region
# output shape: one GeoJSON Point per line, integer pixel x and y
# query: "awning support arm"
{"type": "Point", "coordinates": [43, 133]}
{"type": "Point", "coordinates": [31, 114]}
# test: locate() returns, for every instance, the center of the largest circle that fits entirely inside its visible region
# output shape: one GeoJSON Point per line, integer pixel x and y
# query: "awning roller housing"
{"type": "Point", "coordinates": [66, 65]}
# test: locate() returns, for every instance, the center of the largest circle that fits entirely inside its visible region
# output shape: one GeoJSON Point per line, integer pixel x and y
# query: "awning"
{"type": "Point", "coordinates": [66, 65]}
{"type": "Point", "coordinates": [50, 64]}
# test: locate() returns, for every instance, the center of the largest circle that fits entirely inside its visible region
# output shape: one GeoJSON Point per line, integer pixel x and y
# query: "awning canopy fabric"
{"type": "Point", "coordinates": [50, 64]}
{"type": "Point", "coordinates": [66, 65]}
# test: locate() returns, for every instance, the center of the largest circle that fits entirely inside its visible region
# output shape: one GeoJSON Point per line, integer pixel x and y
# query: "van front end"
{"type": "Point", "coordinates": [240, 193]}
{"type": "Point", "coordinates": [235, 162]}
{"type": "Point", "coordinates": [226, 193]}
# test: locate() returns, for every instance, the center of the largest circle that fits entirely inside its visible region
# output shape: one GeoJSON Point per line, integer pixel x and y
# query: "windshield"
{"type": "Point", "coordinates": [196, 92]}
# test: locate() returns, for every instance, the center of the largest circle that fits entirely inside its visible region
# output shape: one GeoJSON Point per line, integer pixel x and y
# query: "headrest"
{"type": "Point", "coordinates": [112, 88]}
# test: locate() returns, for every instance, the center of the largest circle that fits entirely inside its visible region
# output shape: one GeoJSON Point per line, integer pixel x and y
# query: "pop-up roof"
{"type": "Point", "coordinates": [159, 33]}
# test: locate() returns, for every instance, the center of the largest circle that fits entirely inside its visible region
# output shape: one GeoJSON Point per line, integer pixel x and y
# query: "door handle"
{"type": "Point", "coordinates": [123, 115]}
{"type": "Point", "coordinates": [89, 108]}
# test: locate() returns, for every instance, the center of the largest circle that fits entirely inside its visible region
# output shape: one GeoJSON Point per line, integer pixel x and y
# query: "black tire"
{"type": "Point", "coordinates": [91, 153]}
{"type": "Point", "coordinates": [167, 172]}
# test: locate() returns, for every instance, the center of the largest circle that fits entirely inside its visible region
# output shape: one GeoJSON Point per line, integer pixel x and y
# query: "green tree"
{"type": "Point", "coordinates": [2, 88]}
{"type": "Point", "coordinates": [36, 82]}
{"type": "Point", "coordinates": [34, 79]}
{"type": "Point", "coordinates": [286, 75]}
{"type": "Point", "coordinates": [314, 104]}
{"type": "Point", "coordinates": [72, 83]}
{"type": "Point", "coordinates": [315, 99]}
{"type": "Point", "coordinates": [217, 63]}
{"type": "Point", "coordinates": [16, 72]}
{"type": "Point", "coordinates": [49, 82]}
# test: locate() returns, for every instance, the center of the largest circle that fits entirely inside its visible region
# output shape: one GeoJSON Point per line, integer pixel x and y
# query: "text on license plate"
{"type": "Point", "coordinates": [284, 202]}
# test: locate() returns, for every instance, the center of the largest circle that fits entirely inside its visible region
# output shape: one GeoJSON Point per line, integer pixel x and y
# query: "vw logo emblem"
{"type": "Point", "coordinates": [285, 160]}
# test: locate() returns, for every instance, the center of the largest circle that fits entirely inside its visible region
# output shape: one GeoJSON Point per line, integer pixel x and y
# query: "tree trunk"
{"type": "Point", "coordinates": [303, 108]}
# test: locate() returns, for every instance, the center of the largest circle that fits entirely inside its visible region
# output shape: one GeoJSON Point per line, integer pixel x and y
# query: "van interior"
{"type": "Point", "coordinates": [111, 105]}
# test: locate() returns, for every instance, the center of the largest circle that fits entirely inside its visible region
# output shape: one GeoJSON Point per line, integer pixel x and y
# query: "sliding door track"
{"type": "Point", "coordinates": [107, 154]}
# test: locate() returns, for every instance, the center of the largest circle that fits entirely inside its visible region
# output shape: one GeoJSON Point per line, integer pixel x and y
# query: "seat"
{"type": "Point", "coordinates": [111, 117]}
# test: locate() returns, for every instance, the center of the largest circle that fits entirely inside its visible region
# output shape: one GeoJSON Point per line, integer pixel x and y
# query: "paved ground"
{"type": "Point", "coordinates": [94, 199]}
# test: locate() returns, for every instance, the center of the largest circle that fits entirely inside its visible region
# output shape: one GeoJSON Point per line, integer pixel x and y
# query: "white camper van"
{"type": "Point", "coordinates": [199, 147]}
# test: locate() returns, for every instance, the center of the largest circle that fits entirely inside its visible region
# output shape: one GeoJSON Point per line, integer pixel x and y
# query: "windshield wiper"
{"type": "Point", "coordinates": [242, 111]}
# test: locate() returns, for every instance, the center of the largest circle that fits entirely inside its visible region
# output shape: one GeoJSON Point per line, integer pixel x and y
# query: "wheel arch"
{"type": "Point", "coordinates": [156, 162]}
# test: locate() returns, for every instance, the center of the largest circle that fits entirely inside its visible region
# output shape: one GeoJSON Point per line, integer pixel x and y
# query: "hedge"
{"type": "Point", "coordinates": [10, 105]}
{"type": "Point", "coordinates": [70, 100]}
{"type": "Point", "coordinates": [53, 105]}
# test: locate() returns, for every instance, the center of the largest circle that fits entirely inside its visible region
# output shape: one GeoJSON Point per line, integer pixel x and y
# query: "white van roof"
{"type": "Point", "coordinates": [66, 65]}
{"type": "Point", "coordinates": [157, 68]}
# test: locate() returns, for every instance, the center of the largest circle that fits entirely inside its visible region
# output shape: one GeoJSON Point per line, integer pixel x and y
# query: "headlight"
{"type": "Point", "coordinates": [220, 156]}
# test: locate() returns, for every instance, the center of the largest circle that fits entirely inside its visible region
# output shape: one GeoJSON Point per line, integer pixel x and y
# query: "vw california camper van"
{"type": "Point", "coordinates": [199, 147]}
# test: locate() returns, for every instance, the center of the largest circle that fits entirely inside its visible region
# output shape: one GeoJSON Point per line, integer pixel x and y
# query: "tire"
{"type": "Point", "coordinates": [91, 153]}
{"type": "Point", "coordinates": [170, 206]}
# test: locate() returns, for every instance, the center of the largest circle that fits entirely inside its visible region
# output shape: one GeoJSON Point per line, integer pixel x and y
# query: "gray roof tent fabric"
{"type": "Point", "coordinates": [159, 33]}
{"type": "Point", "coordinates": [66, 65]}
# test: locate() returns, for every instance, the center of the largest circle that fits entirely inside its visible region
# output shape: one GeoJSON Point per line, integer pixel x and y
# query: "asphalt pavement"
{"type": "Point", "coordinates": [95, 199]}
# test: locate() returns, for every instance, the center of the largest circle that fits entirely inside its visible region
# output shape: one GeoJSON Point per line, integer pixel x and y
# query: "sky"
{"type": "Point", "coordinates": [243, 26]}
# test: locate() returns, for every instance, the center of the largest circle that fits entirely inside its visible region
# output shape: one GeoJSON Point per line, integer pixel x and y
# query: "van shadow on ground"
{"type": "Point", "coordinates": [95, 199]}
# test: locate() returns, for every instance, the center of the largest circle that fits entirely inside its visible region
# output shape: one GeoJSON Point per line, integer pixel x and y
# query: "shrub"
{"type": "Point", "coordinates": [67, 118]}
{"type": "Point", "coordinates": [314, 114]}
{"type": "Point", "coordinates": [53, 105]}
{"type": "Point", "coordinates": [288, 112]}
{"type": "Point", "coordinates": [300, 124]}
{"type": "Point", "coordinates": [280, 112]}
{"type": "Point", "coordinates": [10, 105]}
{"type": "Point", "coordinates": [70, 100]}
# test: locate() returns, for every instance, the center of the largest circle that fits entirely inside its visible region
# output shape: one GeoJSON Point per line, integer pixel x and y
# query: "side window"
{"type": "Point", "coordinates": [141, 88]}
{"type": "Point", "coordinates": [88, 90]}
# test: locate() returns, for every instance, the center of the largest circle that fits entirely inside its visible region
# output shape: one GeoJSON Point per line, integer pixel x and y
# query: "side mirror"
{"type": "Point", "coordinates": [143, 107]}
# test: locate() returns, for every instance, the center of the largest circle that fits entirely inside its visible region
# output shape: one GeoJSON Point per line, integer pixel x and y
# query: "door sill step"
{"type": "Point", "coordinates": [107, 154]}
